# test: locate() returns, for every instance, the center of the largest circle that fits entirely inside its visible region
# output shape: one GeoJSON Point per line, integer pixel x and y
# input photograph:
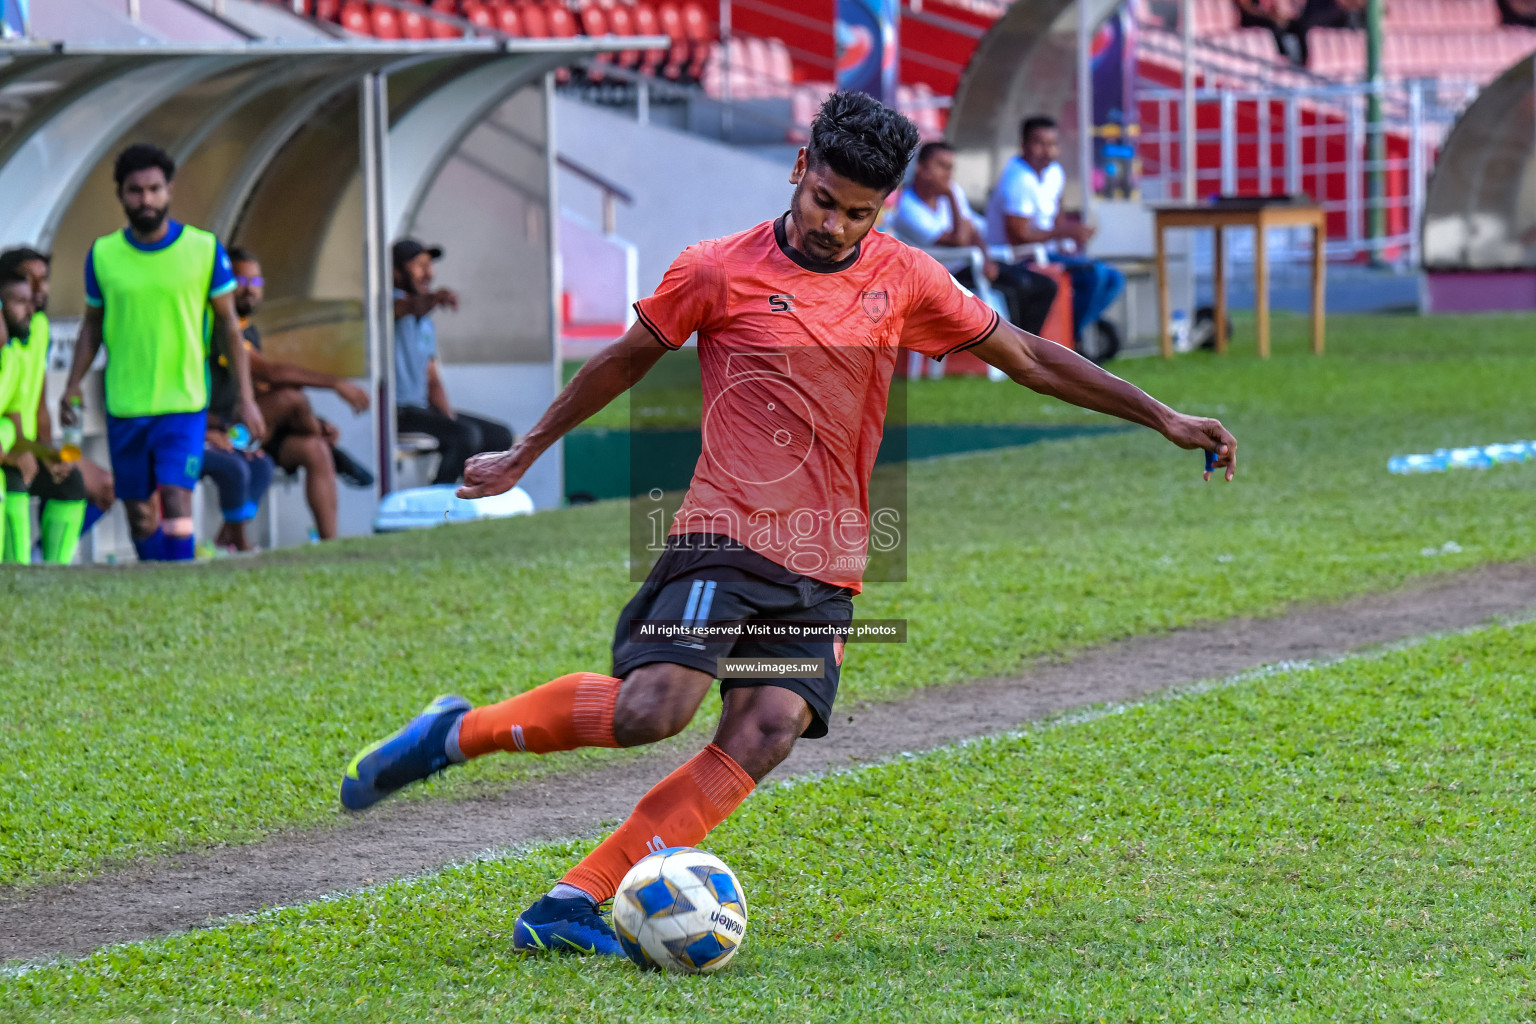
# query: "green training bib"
{"type": "Point", "coordinates": [154, 322]}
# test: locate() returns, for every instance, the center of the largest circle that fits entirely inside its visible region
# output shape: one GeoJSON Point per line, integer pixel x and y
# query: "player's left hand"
{"type": "Point", "coordinates": [491, 473]}
{"type": "Point", "coordinates": [250, 415]}
{"type": "Point", "coordinates": [1208, 435]}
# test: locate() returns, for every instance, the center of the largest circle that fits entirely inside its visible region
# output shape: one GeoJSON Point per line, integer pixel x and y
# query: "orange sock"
{"type": "Point", "coordinates": [573, 711]}
{"type": "Point", "coordinates": [678, 811]}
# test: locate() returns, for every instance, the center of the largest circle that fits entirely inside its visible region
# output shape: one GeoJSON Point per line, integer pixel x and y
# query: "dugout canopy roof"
{"type": "Point", "coordinates": [312, 150]}
{"type": "Point", "coordinates": [1480, 210]}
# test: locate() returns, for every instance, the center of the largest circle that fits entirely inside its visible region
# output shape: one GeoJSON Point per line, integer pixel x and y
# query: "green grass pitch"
{"type": "Point", "coordinates": [1352, 842]}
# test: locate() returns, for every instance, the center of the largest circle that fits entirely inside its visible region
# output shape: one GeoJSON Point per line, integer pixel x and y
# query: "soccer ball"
{"type": "Point", "coordinates": [680, 909]}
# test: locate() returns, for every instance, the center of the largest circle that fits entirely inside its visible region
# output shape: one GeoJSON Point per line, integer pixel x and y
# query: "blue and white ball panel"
{"type": "Point", "coordinates": [680, 909]}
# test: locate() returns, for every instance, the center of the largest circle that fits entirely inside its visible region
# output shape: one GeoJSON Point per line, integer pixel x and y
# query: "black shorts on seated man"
{"type": "Point", "coordinates": [422, 405]}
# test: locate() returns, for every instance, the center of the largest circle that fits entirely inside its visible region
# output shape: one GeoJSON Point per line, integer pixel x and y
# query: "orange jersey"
{"type": "Point", "coordinates": [796, 362]}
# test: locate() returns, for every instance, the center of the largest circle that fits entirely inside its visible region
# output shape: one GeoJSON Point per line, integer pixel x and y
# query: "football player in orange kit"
{"type": "Point", "coordinates": [798, 320]}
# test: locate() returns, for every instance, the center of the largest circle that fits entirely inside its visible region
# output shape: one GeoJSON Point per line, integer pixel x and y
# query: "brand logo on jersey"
{"type": "Point", "coordinates": [781, 303]}
{"type": "Point", "coordinates": [875, 305]}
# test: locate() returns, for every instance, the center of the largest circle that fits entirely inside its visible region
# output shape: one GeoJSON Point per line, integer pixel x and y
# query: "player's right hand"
{"type": "Point", "coordinates": [354, 396]}
{"type": "Point", "coordinates": [491, 473]}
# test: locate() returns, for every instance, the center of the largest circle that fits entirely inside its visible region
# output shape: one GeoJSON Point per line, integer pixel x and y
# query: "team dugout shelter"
{"type": "Point", "coordinates": [314, 153]}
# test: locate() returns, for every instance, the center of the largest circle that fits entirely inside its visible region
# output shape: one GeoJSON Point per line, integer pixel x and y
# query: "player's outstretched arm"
{"type": "Point", "coordinates": [1055, 370]}
{"type": "Point", "coordinates": [605, 377]}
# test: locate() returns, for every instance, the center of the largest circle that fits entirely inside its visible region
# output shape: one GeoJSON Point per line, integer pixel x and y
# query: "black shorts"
{"type": "Point", "coordinates": [703, 579]}
{"type": "Point", "coordinates": [71, 488]}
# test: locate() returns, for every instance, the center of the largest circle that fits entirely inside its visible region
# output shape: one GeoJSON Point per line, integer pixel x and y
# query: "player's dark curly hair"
{"type": "Point", "coordinates": [863, 140]}
{"type": "Point", "coordinates": [12, 259]}
{"type": "Point", "coordinates": [12, 276]}
{"type": "Point", "coordinates": [141, 156]}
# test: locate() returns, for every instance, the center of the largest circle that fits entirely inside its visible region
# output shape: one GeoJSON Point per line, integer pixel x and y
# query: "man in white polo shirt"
{"type": "Point", "coordinates": [1023, 210]}
{"type": "Point", "coordinates": [933, 211]}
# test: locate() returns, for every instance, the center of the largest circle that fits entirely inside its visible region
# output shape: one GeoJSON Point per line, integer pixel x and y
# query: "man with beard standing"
{"type": "Point", "coordinates": [148, 293]}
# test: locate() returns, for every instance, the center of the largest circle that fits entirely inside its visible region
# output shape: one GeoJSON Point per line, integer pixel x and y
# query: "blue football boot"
{"type": "Point", "coordinates": [564, 926]}
{"type": "Point", "coordinates": [413, 753]}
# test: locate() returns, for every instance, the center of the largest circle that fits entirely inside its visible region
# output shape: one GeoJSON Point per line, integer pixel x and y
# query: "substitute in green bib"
{"type": "Point", "coordinates": [74, 491]}
{"type": "Point", "coordinates": [16, 466]}
{"type": "Point", "coordinates": [149, 291]}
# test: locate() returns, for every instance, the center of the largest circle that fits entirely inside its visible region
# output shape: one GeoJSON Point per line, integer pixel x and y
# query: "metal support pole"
{"type": "Point", "coordinates": [1085, 107]}
{"type": "Point", "coordinates": [1187, 33]}
{"type": "Point", "coordinates": [1262, 103]}
{"type": "Point", "coordinates": [1165, 146]}
{"type": "Point", "coordinates": [1415, 172]}
{"type": "Point", "coordinates": [556, 277]}
{"type": "Point", "coordinates": [133, 10]}
{"type": "Point", "coordinates": [727, 128]}
{"type": "Point", "coordinates": [1292, 147]}
{"type": "Point", "coordinates": [643, 102]}
{"type": "Point", "coordinates": [1376, 148]}
{"type": "Point", "coordinates": [1228, 142]}
{"type": "Point", "coordinates": [1352, 169]}
{"type": "Point", "coordinates": [378, 286]}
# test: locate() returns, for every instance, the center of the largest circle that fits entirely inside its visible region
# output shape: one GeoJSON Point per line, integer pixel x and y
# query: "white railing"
{"type": "Point", "coordinates": [1312, 139]}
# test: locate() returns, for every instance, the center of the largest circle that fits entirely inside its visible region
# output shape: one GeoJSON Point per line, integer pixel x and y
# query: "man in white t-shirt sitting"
{"type": "Point", "coordinates": [933, 212]}
{"type": "Point", "coordinates": [1025, 210]}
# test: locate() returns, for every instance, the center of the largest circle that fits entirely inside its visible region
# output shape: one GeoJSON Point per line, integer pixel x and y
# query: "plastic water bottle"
{"type": "Point", "coordinates": [1507, 452]}
{"type": "Point", "coordinates": [1468, 458]}
{"type": "Point", "coordinates": [1416, 464]}
{"type": "Point", "coordinates": [243, 440]}
{"type": "Point", "coordinates": [72, 435]}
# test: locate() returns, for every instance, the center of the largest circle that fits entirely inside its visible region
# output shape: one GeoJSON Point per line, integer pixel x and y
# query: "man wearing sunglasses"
{"type": "Point", "coordinates": [295, 437]}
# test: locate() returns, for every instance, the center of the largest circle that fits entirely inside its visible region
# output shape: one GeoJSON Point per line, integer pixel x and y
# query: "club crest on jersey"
{"type": "Point", "coordinates": [875, 305]}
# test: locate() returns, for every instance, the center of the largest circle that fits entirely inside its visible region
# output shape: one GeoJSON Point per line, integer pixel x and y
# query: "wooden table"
{"type": "Point", "coordinates": [1261, 217]}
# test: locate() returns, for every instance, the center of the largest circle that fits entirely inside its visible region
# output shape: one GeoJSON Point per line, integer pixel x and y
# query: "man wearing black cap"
{"type": "Point", "coordinates": [422, 403]}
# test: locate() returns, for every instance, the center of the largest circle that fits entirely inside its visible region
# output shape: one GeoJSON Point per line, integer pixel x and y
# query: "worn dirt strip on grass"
{"type": "Point", "coordinates": [195, 889]}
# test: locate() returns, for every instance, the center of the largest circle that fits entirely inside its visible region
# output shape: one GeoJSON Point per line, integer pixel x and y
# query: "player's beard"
{"type": "Point", "coordinates": [818, 248]}
{"type": "Point", "coordinates": [146, 220]}
{"type": "Point", "coordinates": [243, 307]}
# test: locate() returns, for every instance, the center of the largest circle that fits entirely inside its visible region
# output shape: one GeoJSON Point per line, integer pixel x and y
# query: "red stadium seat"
{"type": "Point", "coordinates": [327, 10]}
{"type": "Point", "coordinates": [621, 22]}
{"type": "Point", "coordinates": [648, 24]}
{"type": "Point", "coordinates": [479, 15]}
{"type": "Point", "coordinates": [594, 22]}
{"type": "Point", "coordinates": [386, 22]}
{"type": "Point", "coordinates": [700, 35]}
{"type": "Point", "coordinates": [534, 21]}
{"type": "Point", "coordinates": [354, 18]}
{"type": "Point", "coordinates": [696, 26]}
{"type": "Point", "coordinates": [562, 24]}
{"type": "Point", "coordinates": [413, 25]}
{"type": "Point", "coordinates": [670, 17]}
{"type": "Point", "coordinates": [439, 28]}
{"type": "Point", "coordinates": [507, 18]}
